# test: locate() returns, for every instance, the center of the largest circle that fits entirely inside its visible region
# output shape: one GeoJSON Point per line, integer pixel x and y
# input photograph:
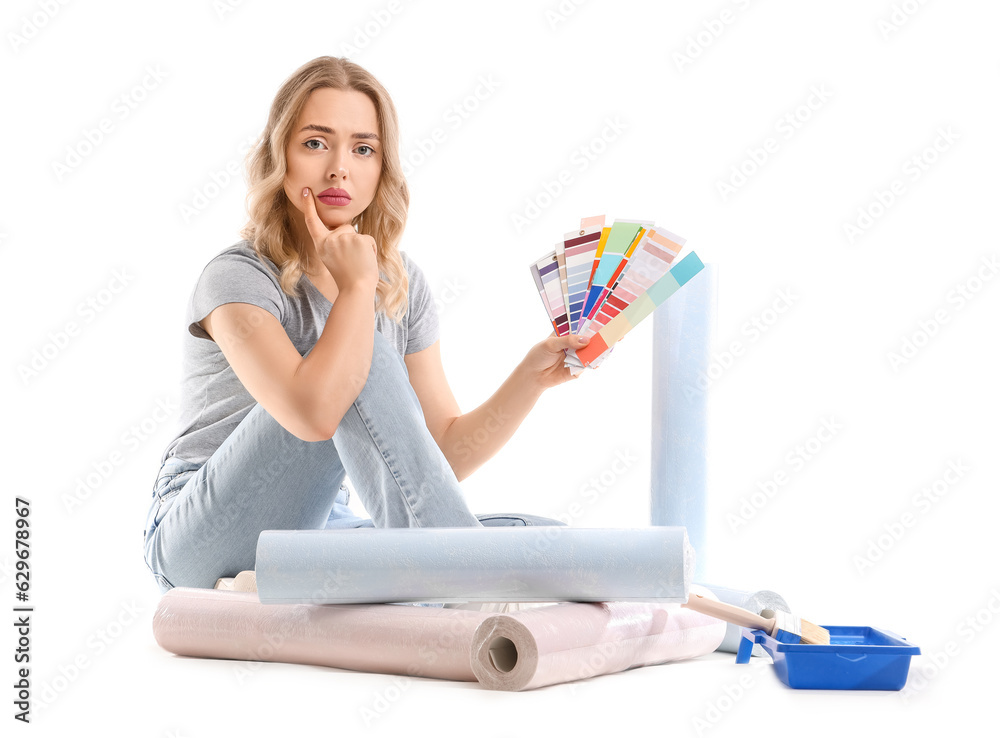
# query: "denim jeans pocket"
{"type": "Point", "coordinates": [174, 474]}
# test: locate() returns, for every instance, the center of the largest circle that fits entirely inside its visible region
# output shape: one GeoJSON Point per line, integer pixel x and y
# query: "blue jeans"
{"type": "Point", "coordinates": [204, 519]}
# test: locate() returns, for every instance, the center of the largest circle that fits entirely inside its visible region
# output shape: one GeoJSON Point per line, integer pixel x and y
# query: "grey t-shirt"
{"type": "Point", "coordinates": [213, 400]}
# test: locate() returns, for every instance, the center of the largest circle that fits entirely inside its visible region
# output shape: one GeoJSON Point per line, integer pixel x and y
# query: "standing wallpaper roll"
{"type": "Point", "coordinates": [570, 641]}
{"type": "Point", "coordinates": [682, 347]}
{"type": "Point", "coordinates": [509, 563]}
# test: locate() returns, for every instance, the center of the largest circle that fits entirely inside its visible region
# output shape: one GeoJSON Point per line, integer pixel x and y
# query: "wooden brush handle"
{"type": "Point", "coordinates": [729, 613]}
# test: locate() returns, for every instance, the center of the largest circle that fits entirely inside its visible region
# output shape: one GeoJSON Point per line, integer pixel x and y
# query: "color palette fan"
{"type": "Point", "coordinates": [601, 281]}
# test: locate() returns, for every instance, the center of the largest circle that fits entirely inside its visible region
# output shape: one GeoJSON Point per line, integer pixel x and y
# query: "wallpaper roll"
{"type": "Point", "coordinates": [682, 347]}
{"type": "Point", "coordinates": [245, 581]}
{"type": "Point", "coordinates": [569, 641]}
{"type": "Point", "coordinates": [503, 564]}
{"type": "Point", "coordinates": [757, 601]}
{"type": "Point", "coordinates": [386, 639]}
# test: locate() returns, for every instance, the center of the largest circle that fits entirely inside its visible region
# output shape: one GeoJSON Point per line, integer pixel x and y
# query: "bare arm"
{"type": "Point", "coordinates": [476, 436]}
{"type": "Point", "coordinates": [308, 395]}
{"type": "Point", "coordinates": [469, 440]}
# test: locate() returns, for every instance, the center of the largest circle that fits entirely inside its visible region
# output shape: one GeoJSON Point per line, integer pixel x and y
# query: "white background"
{"type": "Point", "coordinates": [893, 75]}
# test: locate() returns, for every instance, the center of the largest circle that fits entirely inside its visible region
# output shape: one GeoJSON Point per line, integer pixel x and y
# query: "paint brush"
{"type": "Point", "coordinates": [781, 626]}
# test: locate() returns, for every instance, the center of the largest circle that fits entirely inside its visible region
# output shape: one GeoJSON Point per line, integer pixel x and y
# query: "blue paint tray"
{"type": "Point", "coordinates": [858, 657]}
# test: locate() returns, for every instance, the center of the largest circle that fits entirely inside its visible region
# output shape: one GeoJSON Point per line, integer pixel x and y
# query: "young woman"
{"type": "Point", "coordinates": [312, 353]}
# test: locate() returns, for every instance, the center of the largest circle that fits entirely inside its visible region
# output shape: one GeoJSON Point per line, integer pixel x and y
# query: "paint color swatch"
{"type": "Point", "coordinates": [580, 251]}
{"type": "Point", "coordinates": [640, 308]}
{"type": "Point", "coordinates": [650, 261]}
{"type": "Point", "coordinates": [545, 272]}
{"type": "Point", "coordinates": [615, 249]}
{"type": "Point", "coordinates": [602, 281]}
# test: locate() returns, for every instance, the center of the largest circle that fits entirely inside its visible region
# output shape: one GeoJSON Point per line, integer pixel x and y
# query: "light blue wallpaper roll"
{"type": "Point", "coordinates": [682, 352]}
{"type": "Point", "coordinates": [755, 601]}
{"type": "Point", "coordinates": [503, 564]}
{"type": "Point", "coordinates": [682, 346]}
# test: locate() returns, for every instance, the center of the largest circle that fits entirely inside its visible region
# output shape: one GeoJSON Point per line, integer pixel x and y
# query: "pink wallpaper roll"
{"type": "Point", "coordinates": [386, 639]}
{"type": "Point", "coordinates": [569, 641]}
{"type": "Point", "coordinates": [522, 650]}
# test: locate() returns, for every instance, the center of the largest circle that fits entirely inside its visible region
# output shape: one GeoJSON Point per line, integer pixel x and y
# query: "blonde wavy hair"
{"type": "Point", "coordinates": [269, 227]}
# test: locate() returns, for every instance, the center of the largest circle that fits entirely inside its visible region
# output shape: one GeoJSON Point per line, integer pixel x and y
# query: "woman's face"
{"type": "Point", "coordinates": [334, 144]}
